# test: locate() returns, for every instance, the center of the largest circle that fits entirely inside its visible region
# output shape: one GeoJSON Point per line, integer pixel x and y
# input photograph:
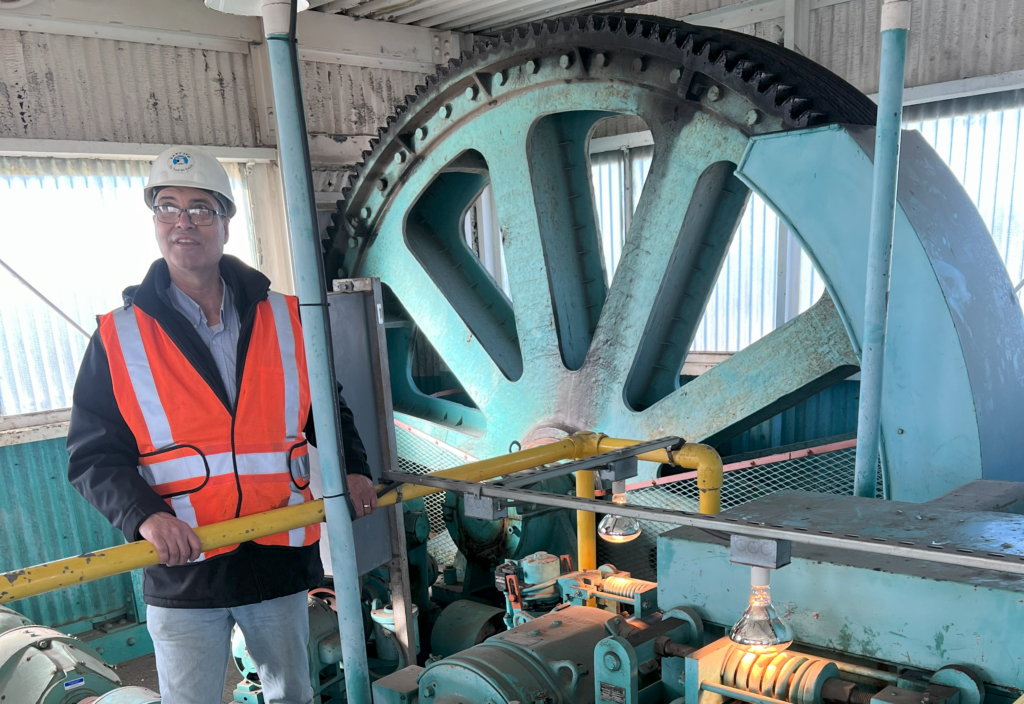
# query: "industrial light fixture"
{"type": "Point", "coordinates": [618, 529]}
{"type": "Point", "coordinates": [251, 8]}
{"type": "Point", "coordinates": [760, 628]}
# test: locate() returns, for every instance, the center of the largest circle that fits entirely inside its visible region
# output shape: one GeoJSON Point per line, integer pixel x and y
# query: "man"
{"type": "Point", "coordinates": [192, 407]}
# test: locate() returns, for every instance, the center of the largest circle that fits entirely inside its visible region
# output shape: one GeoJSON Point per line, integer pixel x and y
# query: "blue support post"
{"type": "Point", "coordinates": [895, 24]}
{"type": "Point", "coordinates": [309, 284]}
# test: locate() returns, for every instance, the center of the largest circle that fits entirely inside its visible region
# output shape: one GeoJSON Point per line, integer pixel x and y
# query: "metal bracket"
{"type": "Point", "coordinates": [759, 552]}
{"type": "Point", "coordinates": [619, 470]}
{"type": "Point", "coordinates": [486, 507]}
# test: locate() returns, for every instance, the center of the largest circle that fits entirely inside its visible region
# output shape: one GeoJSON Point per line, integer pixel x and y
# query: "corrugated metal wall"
{"type": "Point", "coordinates": [742, 306]}
{"type": "Point", "coordinates": [353, 100]}
{"type": "Point", "coordinates": [826, 414]}
{"type": "Point", "coordinates": [43, 518]}
{"type": "Point", "coordinates": [949, 39]}
{"type": "Point", "coordinates": [60, 87]}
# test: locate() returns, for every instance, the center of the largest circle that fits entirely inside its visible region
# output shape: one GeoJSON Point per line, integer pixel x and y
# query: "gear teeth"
{"type": "Point", "coordinates": [727, 60]}
{"type": "Point", "coordinates": [763, 80]}
{"type": "Point", "coordinates": [745, 69]}
{"type": "Point", "coordinates": [795, 107]}
{"type": "Point", "coordinates": [779, 93]}
{"type": "Point", "coordinates": [812, 118]}
{"type": "Point", "coordinates": [710, 51]}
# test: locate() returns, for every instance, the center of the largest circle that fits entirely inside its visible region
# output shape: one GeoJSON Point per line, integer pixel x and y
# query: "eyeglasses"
{"type": "Point", "coordinates": [168, 214]}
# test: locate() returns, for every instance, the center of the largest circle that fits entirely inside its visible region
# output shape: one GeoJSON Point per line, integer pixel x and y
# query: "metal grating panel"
{"type": "Point", "coordinates": [827, 473]}
{"type": "Point", "coordinates": [417, 454]}
{"type": "Point", "coordinates": [60, 87]}
{"type": "Point", "coordinates": [42, 518]}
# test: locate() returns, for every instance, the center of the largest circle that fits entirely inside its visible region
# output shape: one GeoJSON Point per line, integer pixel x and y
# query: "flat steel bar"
{"type": "Point", "coordinates": [945, 554]}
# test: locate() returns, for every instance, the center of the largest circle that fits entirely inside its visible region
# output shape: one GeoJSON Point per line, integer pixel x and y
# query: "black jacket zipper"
{"type": "Point", "coordinates": [244, 335]}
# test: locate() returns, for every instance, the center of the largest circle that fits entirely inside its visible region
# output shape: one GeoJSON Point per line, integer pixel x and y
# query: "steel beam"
{"type": "Point", "coordinates": [733, 525]}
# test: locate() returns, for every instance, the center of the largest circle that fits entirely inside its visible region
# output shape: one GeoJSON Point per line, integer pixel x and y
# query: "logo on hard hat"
{"type": "Point", "coordinates": [181, 162]}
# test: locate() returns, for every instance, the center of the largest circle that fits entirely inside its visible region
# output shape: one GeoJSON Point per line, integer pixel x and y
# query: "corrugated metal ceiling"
{"type": "Point", "coordinates": [467, 15]}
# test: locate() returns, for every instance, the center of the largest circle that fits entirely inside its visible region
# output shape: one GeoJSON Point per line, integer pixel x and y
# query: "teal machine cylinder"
{"type": "Point", "coordinates": [551, 659]}
{"type": "Point", "coordinates": [39, 665]}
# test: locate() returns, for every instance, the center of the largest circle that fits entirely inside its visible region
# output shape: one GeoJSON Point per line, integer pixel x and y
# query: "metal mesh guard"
{"type": "Point", "coordinates": [829, 472]}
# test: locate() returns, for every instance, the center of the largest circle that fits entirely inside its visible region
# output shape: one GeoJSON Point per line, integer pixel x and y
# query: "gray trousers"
{"type": "Point", "coordinates": [193, 649]}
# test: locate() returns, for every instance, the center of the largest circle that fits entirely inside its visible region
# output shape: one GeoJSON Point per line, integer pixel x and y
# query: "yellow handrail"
{"type": "Point", "coordinates": [30, 581]}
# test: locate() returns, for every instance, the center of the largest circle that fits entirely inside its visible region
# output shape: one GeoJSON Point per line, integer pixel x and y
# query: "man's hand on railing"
{"type": "Point", "coordinates": [363, 494]}
{"type": "Point", "coordinates": [175, 541]}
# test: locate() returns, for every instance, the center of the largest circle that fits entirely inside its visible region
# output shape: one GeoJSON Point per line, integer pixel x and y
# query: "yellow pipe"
{"type": "Point", "coordinates": [573, 447]}
{"type": "Point", "coordinates": [30, 581]}
{"type": "Point", "coordinates": [49, 576]}
{"type": "Point", "coordinates": [702, 458]}
{"type": "Point", "coordinates": [586, 523]}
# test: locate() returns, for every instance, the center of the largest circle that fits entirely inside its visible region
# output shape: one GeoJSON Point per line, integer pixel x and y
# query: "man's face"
{"type": "Point", "coordinates": [186, 246]}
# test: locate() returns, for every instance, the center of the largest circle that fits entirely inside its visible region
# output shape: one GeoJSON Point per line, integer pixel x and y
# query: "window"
{"type": "Point", "coordinates": [79, 232]}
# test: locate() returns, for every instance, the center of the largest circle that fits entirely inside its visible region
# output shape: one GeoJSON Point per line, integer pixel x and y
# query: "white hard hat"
{"type": "Point", "coordinates": [190, 167]}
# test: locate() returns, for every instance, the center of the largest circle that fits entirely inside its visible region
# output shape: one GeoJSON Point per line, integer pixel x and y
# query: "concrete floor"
{"type": "Point", "coordinates": [142, 673]}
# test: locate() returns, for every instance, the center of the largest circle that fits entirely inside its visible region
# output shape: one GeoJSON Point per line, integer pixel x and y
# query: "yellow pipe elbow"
{"type": "Point", "coordinates": [708, 463]}
{"type": "Point", "coordinates": [702, 458]}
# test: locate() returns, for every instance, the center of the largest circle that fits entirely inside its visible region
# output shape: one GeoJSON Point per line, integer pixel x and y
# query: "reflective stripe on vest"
{"type": "Point", "coordinates": [191, 450]}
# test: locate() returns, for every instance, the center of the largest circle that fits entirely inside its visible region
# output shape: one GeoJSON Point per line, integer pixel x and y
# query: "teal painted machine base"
{"type": "Point", "coordinates": [921, 615]}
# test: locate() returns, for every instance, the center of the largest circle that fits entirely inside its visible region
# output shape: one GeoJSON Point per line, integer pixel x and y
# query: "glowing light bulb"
{"type": "Point", "coordinates": [760, 629]}
{"type": "Point", "coordinates": [618, 529]}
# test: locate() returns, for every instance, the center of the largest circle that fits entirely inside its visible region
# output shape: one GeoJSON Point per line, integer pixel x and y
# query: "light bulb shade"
{"type": "Point", "coordinates": [618, 529]}
{"type": "Point", "coordinates": [760, 627]}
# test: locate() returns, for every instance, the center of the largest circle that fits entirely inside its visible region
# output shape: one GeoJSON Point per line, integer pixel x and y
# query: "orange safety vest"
{"type": "Point", "coordinates": [207, 464]}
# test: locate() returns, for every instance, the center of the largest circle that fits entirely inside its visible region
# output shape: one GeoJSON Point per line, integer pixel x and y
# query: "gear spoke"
{"type": "Point", "coordinates": [799, 359]}
{"type": "Point", "coordinates": [524, 253]}
{"type": "Point", "coordinates": [682, 154]}
{"type": "Point", "coordinates": [435, 316]}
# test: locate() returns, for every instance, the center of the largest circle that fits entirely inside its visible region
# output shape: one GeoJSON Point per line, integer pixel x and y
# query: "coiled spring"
{"type": "Point", "coordinates": [789, 676]}
{"type": "Point", "coordinates": [626, 586]}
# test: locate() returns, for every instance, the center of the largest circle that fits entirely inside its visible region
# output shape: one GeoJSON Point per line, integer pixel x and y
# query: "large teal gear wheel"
{"type": "Point", "coordinates": [571, 350]}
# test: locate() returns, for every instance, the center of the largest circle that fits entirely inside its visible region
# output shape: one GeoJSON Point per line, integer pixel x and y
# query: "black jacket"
{"type": "Point", "coordinates": [104, 457]}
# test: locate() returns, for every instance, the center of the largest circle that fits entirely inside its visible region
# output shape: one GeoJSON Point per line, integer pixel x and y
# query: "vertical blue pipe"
{"type": "Point", "coordinates": [895, 23]}
{"type": "Point", "coordinates": [309, 284]}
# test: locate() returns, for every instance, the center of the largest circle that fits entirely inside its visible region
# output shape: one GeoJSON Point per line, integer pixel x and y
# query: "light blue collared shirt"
{"type": "Point", "coordinates": [222, 339]}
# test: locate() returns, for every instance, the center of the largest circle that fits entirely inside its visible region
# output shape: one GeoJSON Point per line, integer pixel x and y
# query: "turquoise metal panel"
{"type": "Point", "coordinates": [43, 518]}
{"type": "Point", "coordinates": [827, 200]}
{"type": "Point", "coordinates": [826, 414]}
